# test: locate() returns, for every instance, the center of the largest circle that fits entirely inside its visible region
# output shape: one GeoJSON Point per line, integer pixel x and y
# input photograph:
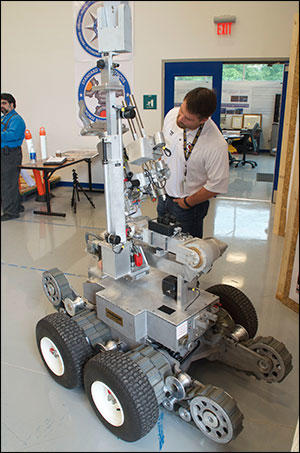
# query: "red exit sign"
{"type": "Point", "coordinates": [224, 28]}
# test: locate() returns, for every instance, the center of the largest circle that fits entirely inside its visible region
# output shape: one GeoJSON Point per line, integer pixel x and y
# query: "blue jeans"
{"type": "Point", "coordinates": [190, 219]}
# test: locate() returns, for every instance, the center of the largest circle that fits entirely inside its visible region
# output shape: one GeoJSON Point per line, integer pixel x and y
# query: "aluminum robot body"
{"type": "Point", "coordinates": [143, 318]}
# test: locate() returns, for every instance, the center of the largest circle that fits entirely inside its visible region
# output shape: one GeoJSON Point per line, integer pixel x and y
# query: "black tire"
{"type": "Point", "coordinates": [59, 335]}
{"type": "Point", "coordinates": [237, 304]}
{"type": "Point", "coordinates": [131, 387]}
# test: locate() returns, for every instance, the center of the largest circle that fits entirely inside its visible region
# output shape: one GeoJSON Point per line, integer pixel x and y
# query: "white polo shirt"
{"type": "Point", "coordinates": [208, 164]}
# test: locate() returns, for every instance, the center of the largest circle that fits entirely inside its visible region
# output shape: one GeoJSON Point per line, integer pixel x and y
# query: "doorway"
{"type": "Point", "coordinates": [242, 88]}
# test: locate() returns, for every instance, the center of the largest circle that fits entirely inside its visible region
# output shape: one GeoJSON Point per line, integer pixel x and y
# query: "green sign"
{"type": "Point", "coordinates": [150, 101]}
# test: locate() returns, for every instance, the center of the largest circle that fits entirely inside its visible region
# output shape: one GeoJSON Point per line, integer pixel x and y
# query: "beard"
{"type": "Point", "coordinates": [4, 110]}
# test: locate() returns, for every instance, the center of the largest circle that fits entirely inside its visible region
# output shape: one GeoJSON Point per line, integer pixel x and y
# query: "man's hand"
{"type": "Point", "coordinates": [181, 203]}
{"type": "Point", "coordinates": [194, 199]}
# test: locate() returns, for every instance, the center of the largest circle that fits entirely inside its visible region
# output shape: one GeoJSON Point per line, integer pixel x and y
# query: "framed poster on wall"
{"type": "Point", "coordinates": [250, 119]}
{"type": "Point", "coordinates": [236, 122]}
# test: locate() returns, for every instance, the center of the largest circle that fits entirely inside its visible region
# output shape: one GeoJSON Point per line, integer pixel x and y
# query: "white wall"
{"type": "Point", "coordinates": [185, 30]}
{"type": "Point", "coordinates": [37, 55]}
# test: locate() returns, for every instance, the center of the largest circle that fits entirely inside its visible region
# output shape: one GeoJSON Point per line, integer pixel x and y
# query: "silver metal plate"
{"type": "Point", "coordinates": [133, 309]}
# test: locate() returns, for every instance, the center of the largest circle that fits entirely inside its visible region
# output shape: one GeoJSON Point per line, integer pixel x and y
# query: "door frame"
{"type": "Point", "coordinates": [280, 130]}
{"type": "Point", "coordinates": [261, 60]}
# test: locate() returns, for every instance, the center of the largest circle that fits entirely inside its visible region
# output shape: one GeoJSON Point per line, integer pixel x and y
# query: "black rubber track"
{"type": "Point", "coordinates": [132, 388]}
{"type": "Point", "coordinates": [72, 344]}
{"type": "Point", "coordinates": [238, 306]}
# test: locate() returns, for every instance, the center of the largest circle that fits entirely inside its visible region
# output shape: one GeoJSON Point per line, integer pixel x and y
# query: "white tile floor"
{"type": "Point", "coordinates": [243, 178]}
{"type": "Point", "coordinates": [40, 415]}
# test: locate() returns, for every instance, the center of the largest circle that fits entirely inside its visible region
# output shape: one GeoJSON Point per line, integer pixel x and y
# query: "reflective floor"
{"type": "Point", "coordinates": [243, 182]}
{"type": "Point", "coordinates": [39, 415]}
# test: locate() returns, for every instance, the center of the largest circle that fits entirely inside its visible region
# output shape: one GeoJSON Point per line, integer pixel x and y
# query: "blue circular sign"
{"type": "Point", "coordinates": [86, 27]}
{"type": "Point", "coordinates": [95, 101]}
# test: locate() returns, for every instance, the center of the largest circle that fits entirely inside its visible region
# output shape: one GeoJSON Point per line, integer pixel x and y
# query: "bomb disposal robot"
{"type": "Point", "coordinates": [143, 318]}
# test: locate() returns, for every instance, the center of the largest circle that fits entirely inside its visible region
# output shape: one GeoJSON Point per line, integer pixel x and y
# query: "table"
{"type": "Point", "coordinates": [73, 158]}
{"type": "Point", "coordinates": [230, 136]}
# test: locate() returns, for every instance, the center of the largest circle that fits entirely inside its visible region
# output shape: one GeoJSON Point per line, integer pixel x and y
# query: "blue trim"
{"type": "Point", "coordinates": [193, 68]}
{"type": "Point", "coordinates": [83, 184]}
{"type": "Point", "coordinates": [280, 129]}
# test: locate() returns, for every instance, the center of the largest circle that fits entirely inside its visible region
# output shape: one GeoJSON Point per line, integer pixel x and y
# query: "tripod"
{"type": "Point", "coordinates": [75, 192]}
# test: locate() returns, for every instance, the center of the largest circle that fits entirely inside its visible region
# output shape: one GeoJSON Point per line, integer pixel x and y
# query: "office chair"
{"type": "Point", "coordinates": [229, 140]}
{"type": "Point", "coordinates": [244, 145]}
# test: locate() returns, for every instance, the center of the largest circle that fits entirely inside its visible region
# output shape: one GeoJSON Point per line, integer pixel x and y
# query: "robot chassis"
{"type": "Point", "coordinates": [143, 318]}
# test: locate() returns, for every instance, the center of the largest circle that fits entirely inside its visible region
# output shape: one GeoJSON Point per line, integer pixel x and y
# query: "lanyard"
{"type": "Point", "coordinates": [188, 152]}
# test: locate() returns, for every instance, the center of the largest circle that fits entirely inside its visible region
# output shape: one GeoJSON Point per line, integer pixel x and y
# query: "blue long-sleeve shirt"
{"type": "Point", "coordinates": [14, 134]}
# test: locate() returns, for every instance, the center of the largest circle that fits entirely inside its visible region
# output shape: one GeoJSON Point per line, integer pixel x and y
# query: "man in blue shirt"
{"type": "Point", "coordinates": [12, 136]}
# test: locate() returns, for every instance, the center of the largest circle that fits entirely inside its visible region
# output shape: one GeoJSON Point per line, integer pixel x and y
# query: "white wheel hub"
{"type": "Point", "coordinates": [107, 403]}
{"type": "Point", "coordinates": [52, 356]}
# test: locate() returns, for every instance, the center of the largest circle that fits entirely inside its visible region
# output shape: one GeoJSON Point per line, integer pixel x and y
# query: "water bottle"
{"type": "Point", "coordinates": [32, 155]}
{"type": "Point", "coordinates": [30, 147]}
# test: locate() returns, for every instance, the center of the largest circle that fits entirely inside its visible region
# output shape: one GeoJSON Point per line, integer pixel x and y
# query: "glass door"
{"type": "Point", "coordinates": [181, 77]}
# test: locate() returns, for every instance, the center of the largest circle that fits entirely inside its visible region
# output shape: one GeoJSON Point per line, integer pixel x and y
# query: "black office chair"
{"type": "Point", "coordinates": [244, 145]}
{"type": "Point", "coordinates": [231, 158]}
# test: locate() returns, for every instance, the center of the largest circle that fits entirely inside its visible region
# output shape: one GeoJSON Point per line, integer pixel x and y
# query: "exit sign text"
{"type": "Point", "coordinates": [224, 28]}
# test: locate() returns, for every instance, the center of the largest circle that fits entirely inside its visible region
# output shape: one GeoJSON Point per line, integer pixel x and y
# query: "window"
{"type": "Point", "coordinates": [253, 71]}
{"type": "Point", "coordinates": [184, 84]}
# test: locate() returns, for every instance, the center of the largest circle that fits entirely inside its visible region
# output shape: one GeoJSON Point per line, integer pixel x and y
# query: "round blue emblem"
{"type": "Point", "coordinates": [95, 101]}
{"type": "Point", "coordinates": [86, 27]}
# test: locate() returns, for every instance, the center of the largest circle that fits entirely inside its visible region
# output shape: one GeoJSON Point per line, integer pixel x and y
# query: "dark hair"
{"type": "Point", "coordinates": [9, 98]}
{"type": "Point", "coordinates": [201, 102]}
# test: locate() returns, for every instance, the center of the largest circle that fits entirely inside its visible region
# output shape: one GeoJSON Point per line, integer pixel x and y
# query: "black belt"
{"type": "Point", "coordinates": [172, 198]}
{"type": "Point", "coordinates": [8, 148]}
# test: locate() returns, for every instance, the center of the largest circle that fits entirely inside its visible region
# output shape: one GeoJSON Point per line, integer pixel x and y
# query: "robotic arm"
{"type": "Point", "coordinates": [134, 173]}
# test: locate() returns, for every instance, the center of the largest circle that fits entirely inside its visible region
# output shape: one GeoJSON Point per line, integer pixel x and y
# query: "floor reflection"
{"type": "Point", "coordinates": [242, 220]}
{"type": "Point", "coordinates": [243, 182]}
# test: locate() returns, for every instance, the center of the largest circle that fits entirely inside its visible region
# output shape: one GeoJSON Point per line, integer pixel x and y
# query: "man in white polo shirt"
{"type": "Point", "coordinates": [199, 166]}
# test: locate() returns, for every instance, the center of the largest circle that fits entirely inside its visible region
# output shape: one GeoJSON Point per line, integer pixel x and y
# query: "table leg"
{"type": "Point", "coordinates": [90, 189]}
{"type": "Point", "coordinates": [90, 174]}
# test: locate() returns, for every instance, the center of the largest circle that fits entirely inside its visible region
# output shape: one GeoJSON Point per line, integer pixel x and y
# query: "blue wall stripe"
{"type": "Point", "coordinates": [83, 184]}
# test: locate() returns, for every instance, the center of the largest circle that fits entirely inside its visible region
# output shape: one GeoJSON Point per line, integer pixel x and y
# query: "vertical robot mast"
{"type": "Point", "coordinates": [114, 37]}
